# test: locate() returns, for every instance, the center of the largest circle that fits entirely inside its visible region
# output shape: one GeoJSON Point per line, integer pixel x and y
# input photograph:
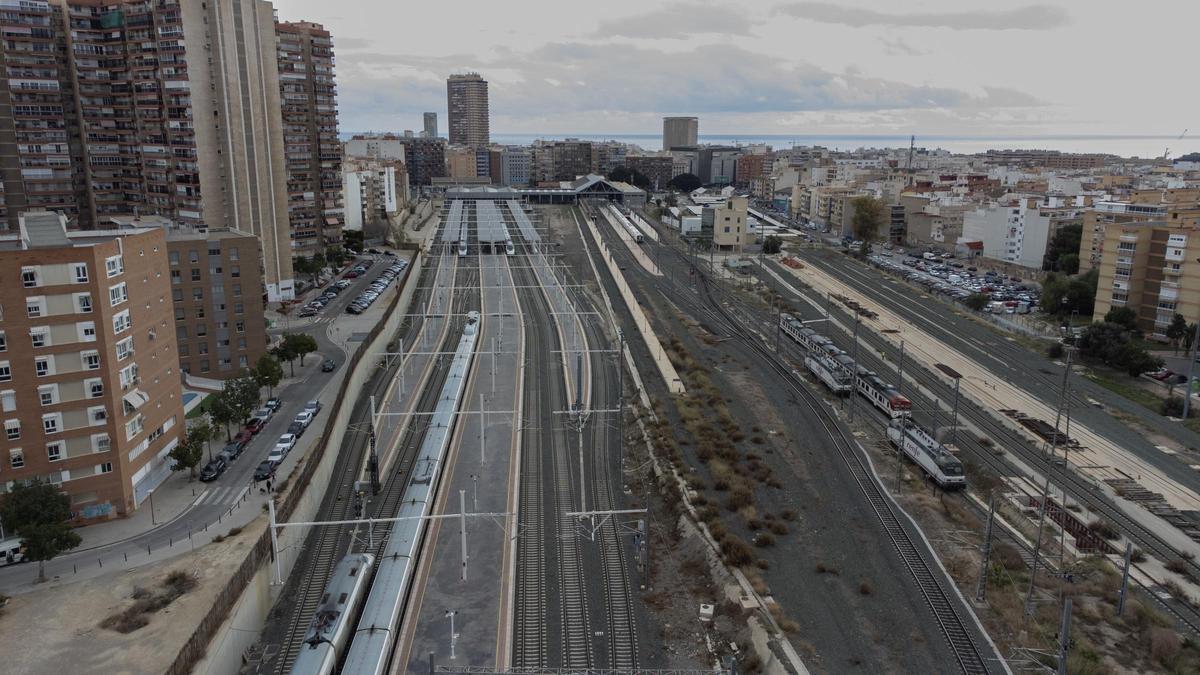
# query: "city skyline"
{"type": "Point", "coordinates": [948, 68]}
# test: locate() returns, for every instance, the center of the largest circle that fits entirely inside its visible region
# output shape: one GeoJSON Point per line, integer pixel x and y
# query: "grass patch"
{"type": "Point", "coordinates": [205, 404]}
{"type": "Point", "coordinates": [1128, 390]}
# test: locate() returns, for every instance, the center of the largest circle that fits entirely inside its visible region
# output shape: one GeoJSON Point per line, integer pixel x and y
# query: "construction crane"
{"type": "Point", "coordinates": [1167, 152]}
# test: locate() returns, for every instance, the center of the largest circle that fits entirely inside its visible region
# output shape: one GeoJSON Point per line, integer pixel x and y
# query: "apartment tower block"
{"type": "Point", "coordinates": [467, 104]}
{"type": "Point", "coordinates": [313, 152]}
{"type": "Point", "coordinates": [111, 107]}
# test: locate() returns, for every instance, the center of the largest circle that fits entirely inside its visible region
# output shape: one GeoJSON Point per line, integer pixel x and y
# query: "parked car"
{"type": "Point", "coordinates": [233, 449]}
{"type": "Point", "coordinates": [263, 414]}
{"type": "Point", "coordinates": [264, 470]}
{"type": "Point", "coordinates": [304, 417]}
{"type": "Point", "coordinates": [296, 429]}
{"type": "Point", "coordinates": [276, 455]}
{"type": "Point", "coordinates": [273, 403]}
{"type": "Point", "coordinates": [213, 469]}
{"type": "Point", "coordinates": [352, 274]}
{"type": "Point", "coordinates": [307, 311]}
{"type": "Point", "coordinates": [328, 366]}
{"type": "Point", "coordinates": [244, 437]}
{"type": "Point", "coordinates": [375, 251]}
{"type": "Point", "coordinates": [313, 407]}
{"type": "Point", "coordinates": [287, 442]}
{"type": "Point", "coordinates": [255, 425]}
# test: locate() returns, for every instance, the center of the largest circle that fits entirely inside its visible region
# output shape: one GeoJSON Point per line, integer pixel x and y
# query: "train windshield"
{"type": "Point", "coordinates": [950, 465]}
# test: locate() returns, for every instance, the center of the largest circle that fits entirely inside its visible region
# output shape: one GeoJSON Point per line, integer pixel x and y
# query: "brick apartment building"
{"type": "Point", "coordinates": [217, 297]}
{"type": "Point", "coordinates": [89, 376]}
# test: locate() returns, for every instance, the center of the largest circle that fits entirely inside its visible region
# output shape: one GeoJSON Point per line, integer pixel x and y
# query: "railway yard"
{"type": "Point", "coordinates": [520, 491]}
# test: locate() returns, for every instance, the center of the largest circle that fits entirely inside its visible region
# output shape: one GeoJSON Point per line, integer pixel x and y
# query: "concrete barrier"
{"type": "Point", "coordinates": [665, 368]}
{"type": "Point", "coordinates": [235, 620]}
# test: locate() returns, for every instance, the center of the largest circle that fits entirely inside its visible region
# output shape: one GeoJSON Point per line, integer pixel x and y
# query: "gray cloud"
{"type": "Point", "coordinates": [1028, 17]}
{"type": "Point", "coordinates": [899, 47]}
{"type": "Point", "coordinates": [350, 43]}
{"type": "Point", "coordinates": [677, 20]}
{"type": "Point", "coordinates": [577, 79]}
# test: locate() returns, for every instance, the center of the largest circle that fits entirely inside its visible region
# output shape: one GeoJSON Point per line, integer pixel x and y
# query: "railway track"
{"type": "Point", "coordinates": [934, 587]}
{"type": "Point", "coordinates": [326, 545]}
{"type": "Point", "coordinates": [1077, 487]}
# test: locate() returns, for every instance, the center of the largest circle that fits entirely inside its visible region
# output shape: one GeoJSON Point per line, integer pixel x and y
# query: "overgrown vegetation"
{"type": "Point", "coordinates": [146, 602]}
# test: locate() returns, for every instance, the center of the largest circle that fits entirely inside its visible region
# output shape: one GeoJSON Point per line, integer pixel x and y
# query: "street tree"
{"type": "Point", "coordinates": [1062, 252]}
{"type": "Point", "coordinates": [302, 345]}
{"type": "Point", "coordinates": [772, 245]}
{"type": "Point", "coordinates": [1125, 317]}
{"type": "Point", "coordinates": [203, 432]}
{"type": "Point", "coordinates": [38, 513]}
{"type": "Point", "coordinates": [977, 301]}
{"type": "Point", "coordinates": [868, 217]}
{"type": "Point", "coordinates": [268, 372]}
{"type": "Point", "coordinates": [1176, 330]}
{"type": "Point", "coordinates": [186, 456]}
{"type": "Point", "coordinates": [223, 411]}
{"type": "Point", "coordinates": [685, 182]}
{"type": "Point", "coordinates": [244, 396]}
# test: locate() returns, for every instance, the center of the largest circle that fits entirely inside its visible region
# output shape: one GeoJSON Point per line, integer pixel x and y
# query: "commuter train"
{"type": "Point", "coordinates": [509, 249]}
{"type": "Point", "coordinates": [634, 232]}
{"type": "Point", "coordinates": [922, 448]}
{"type": "Point", "coordinates": [374, 639]}
{"type": "Point", "coordinates": [882, 395]}
{"type": "Point", "coordinates": [331, 626]}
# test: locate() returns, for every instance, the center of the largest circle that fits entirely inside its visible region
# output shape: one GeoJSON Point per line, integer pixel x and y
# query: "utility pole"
{"type": "Point", "coordinates": [374, 461]}
{"type": "Point", "coordinates": [900, 371]}
{"type": "Point", "coordinates": [462, 529]}
{"type": "Point", "coordinates": [1037, 547]}
{"type": "Point", "coordinates": [1125, 579]}
{"type": "Point", "coordinates": [986, 550]}
{"type": "Point", "coordinates": [854, 373]}
{"type": "Point", "coordinates": [1064, 637]}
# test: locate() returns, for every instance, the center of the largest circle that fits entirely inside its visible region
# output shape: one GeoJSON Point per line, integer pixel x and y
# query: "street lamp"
{"type": "Point", "coordinates": [150, 496]}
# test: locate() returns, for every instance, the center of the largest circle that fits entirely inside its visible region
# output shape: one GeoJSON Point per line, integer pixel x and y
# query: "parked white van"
{"type": "Point", "coordinates": [11, 552]}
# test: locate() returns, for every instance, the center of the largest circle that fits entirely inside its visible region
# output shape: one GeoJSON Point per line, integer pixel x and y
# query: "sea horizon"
{"type": "Point", "coordinates": [1123, 145]}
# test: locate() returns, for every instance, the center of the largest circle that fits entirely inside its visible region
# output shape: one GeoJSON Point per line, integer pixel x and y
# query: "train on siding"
{"type": "Point", "coordinates": [331, 626]}
{"type": "Point", "coordinates": [881, 394]}
{"type": "Point", "coordinates": [925, 451]}
{"type": "Point", "coordinates": [634, 233]}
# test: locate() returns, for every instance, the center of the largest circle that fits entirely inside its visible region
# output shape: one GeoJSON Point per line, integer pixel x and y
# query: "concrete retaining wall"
{"type": "Point", "coordinates": [234, 623]}
{"type": "Point", "coordinates": [665, 367]}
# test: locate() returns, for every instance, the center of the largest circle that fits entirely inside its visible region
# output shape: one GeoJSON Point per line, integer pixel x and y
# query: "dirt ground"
{"type": "Point", "coordinates": [64, 621]}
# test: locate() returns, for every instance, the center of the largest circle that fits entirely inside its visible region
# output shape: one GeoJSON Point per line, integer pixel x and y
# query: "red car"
{"type": "Point", "coordinates": [244, 436]}
{"type": "Point", "coordinates": [350, 275]}
{"type": "Point", "coordinates": [255, 425]}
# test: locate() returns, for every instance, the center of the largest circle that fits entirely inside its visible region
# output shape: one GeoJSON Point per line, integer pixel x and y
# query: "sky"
{"type": "Point", "coordinates": [969, 67]}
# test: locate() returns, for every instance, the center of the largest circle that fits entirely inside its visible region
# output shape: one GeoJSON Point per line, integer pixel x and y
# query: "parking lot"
{"type": "Point", "coordinates": [954, 279]}
{"type": "Point", "coordinates": [364, 299]}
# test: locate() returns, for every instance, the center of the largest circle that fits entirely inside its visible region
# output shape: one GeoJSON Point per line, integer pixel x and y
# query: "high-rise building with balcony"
{"type": "Point", "coordinates": [166, 107]}
{"type": "Point", "coordinates": [89, 376]}
{"type": "Point", "coordinates": [467, 104]}
{"type": "Point", "coordinates": [311, 146]}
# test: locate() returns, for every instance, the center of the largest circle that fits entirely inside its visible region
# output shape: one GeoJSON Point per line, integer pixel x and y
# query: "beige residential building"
{"type": "Point", "coordinates": [460, 162]}
{"type": "Point", "coordinates": [1151, 267]}
{"type": "Point", "coordinates": [725, 225]}
{"type": "Point", "coordinates": [1179, 207]}
{"type": "Point", "coordinates": [89, 374]}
